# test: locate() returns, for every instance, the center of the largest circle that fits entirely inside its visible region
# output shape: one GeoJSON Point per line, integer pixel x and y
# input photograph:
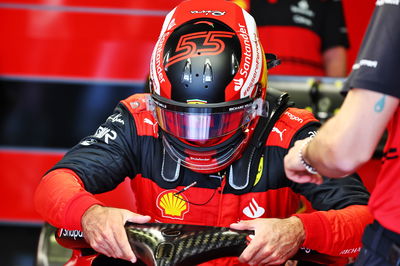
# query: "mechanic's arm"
{"type": "Point", "coordinates": [335, 61]}
{"type": "Point", "coordinates": [346, 141]}
{"type": "Point", "coordinates": [342, 213]}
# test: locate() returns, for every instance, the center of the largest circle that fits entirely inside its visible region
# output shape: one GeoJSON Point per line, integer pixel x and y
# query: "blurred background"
{"type": "Point", "coordinates": [64, 65]}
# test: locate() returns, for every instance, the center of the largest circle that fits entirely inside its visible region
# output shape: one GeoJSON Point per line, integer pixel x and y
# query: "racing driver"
{"type": "Point", "coordinates": [205, 147]}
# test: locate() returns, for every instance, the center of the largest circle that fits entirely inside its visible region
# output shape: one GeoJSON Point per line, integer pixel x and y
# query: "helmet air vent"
{"type": "Point", "coordinates": [187, 71]}
{"type": "Point", "coordinates": [207, 72]}
{"type": "Point", "coordinates": [166, 59]}
{"type": "Point", "coordinates": [234, 64]}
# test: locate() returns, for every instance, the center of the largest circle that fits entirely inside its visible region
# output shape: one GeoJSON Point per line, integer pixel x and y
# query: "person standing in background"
{"type": "Point", "coordinates": [310, 37]}
{"type": "Point", "coordinates": [349, 139]}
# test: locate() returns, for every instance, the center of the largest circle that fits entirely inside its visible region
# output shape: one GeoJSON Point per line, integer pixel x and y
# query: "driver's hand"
{"type": "Point", "coordinates": [103, 228]}
{"type": "Point", "coordinates": [275, 240]}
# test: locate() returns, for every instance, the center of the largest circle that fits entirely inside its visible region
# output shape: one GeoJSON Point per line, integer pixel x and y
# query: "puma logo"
{"type": "Point", "coordinates": [279, 132]}
{"type": "Point", "coordinates": [148, 121]}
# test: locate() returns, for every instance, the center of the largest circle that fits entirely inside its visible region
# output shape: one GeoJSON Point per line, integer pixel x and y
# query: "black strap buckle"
{"type": "Point", "coordinates": [272, 60]}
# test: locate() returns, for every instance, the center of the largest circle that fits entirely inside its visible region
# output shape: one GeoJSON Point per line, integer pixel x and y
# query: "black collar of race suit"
{"type": "Point", "coordinates": [242, 173]}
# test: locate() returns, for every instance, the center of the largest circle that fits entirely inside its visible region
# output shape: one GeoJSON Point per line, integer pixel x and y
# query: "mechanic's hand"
{"type": "Point", "coordinates": [103, 228]}
{"type": "Point", "coordinates": [275, 240]}
{"type": "Point", "coordinates": [295, 170]}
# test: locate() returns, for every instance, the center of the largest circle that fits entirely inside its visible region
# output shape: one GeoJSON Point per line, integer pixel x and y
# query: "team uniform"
{"type": "Point", "coordinates": [299, 31]}
{"type": "Point", "coordinates": [376, 70]}
{"type": "Point", "coordinates": [128, 144]}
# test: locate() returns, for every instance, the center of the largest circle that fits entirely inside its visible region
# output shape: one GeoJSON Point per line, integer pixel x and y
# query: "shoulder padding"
{"type": "Point", "coordinates": [136, 103]}
{"type": "Point", "coordinates": [290, 121]}
{"type": "Point", "coordinates": [146, 125]}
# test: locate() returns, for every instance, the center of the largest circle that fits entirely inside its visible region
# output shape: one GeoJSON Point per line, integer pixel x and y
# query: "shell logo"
{"type": "Point", "coordinates": [172, 206]}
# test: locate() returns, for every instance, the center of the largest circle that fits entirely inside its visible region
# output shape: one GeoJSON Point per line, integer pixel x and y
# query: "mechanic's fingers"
{"type": "Point", "coordinates": [317, 179]}
{"type": "Point", "coordinates": [295, 177]}
{"type": "Point", "coordinates": [306, 178]}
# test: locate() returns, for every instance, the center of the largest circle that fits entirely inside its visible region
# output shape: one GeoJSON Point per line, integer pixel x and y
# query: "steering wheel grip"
{"type": "Point", "coordinates": [179, 244]}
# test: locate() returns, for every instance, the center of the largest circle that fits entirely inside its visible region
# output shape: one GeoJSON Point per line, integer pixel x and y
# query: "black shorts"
{"type": "Point", "coordinates": [380, 247]}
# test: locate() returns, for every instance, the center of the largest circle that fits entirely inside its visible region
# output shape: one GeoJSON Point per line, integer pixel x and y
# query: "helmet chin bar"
{"type": "Point", "coordinates": [206, 160]}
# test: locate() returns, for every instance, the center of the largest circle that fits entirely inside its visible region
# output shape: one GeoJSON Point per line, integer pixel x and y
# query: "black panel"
{"type": "Point", "coordinates": [56, 113]}
{"type": "Point", "coordinates": [18, 245]}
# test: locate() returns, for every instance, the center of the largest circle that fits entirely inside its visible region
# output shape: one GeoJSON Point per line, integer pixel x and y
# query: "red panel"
{"type": "Point", "coordinates": [20, 174]}
{"type": "Point", "coordinates": [52, 43]}
{"type": "Point", "coordinates": [357, 14]}
{"type": "Point", "coordinates": [369, 173]}
{"type": "Point", "coordinates": [94, 45]}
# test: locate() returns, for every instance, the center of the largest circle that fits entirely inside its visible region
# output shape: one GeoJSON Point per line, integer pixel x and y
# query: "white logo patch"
{"type": "Point", "coordinates": [367, 63]}
{"type": "Point", "coordinates": [293, 117]}
{"type": "Point", "coordinates": [306, 250]}
{"type": "Point", "coordinates": [116, 118]}
{"type": "Point", "coordinates": [171, 24]}
{"type": "Point", "coordinates": [106, 133]}
{"type": "Point", "coordinates": [238, 83]}
{"type": "Point", "coordinates": [302, 8]}
{"type": "Point", "coordinates": [387, 2]}
{"type": "Point", "coordinates": [70, 233]}
{"type": "Point", "coordinates": [253, 210]}
{"type": "Point", "coordinates": [279, 132]}
{"type": "Point", "coordinates": [302, 13]}
{"type": "Point", "coordinates": [209, 12]}
{"type": "Point", "coordinates": [148, 121]}
{"type": "Point", "coordinates": [88, 142]}
{"type": "Point", "coordinates": [312, 134]}
{"type": "Point", "coordinates": [350, 251]}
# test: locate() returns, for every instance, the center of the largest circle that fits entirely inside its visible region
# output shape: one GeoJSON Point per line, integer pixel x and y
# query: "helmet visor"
{"type": "Point", "coordinates": [204, 121]}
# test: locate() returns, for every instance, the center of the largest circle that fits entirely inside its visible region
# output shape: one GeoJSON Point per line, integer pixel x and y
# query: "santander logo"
{"type": "Point", "coordinates": [253, 210]}
{"type": "Point", "coordinates": [238, 84]}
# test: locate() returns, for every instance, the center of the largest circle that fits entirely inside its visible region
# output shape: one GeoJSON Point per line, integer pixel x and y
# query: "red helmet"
{"type": "Point", "coordinates": [208, 79]}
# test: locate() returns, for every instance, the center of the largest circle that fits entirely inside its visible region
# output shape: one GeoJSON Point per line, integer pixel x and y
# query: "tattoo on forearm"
{"type": "Point", "coordinates": [380, 104]}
